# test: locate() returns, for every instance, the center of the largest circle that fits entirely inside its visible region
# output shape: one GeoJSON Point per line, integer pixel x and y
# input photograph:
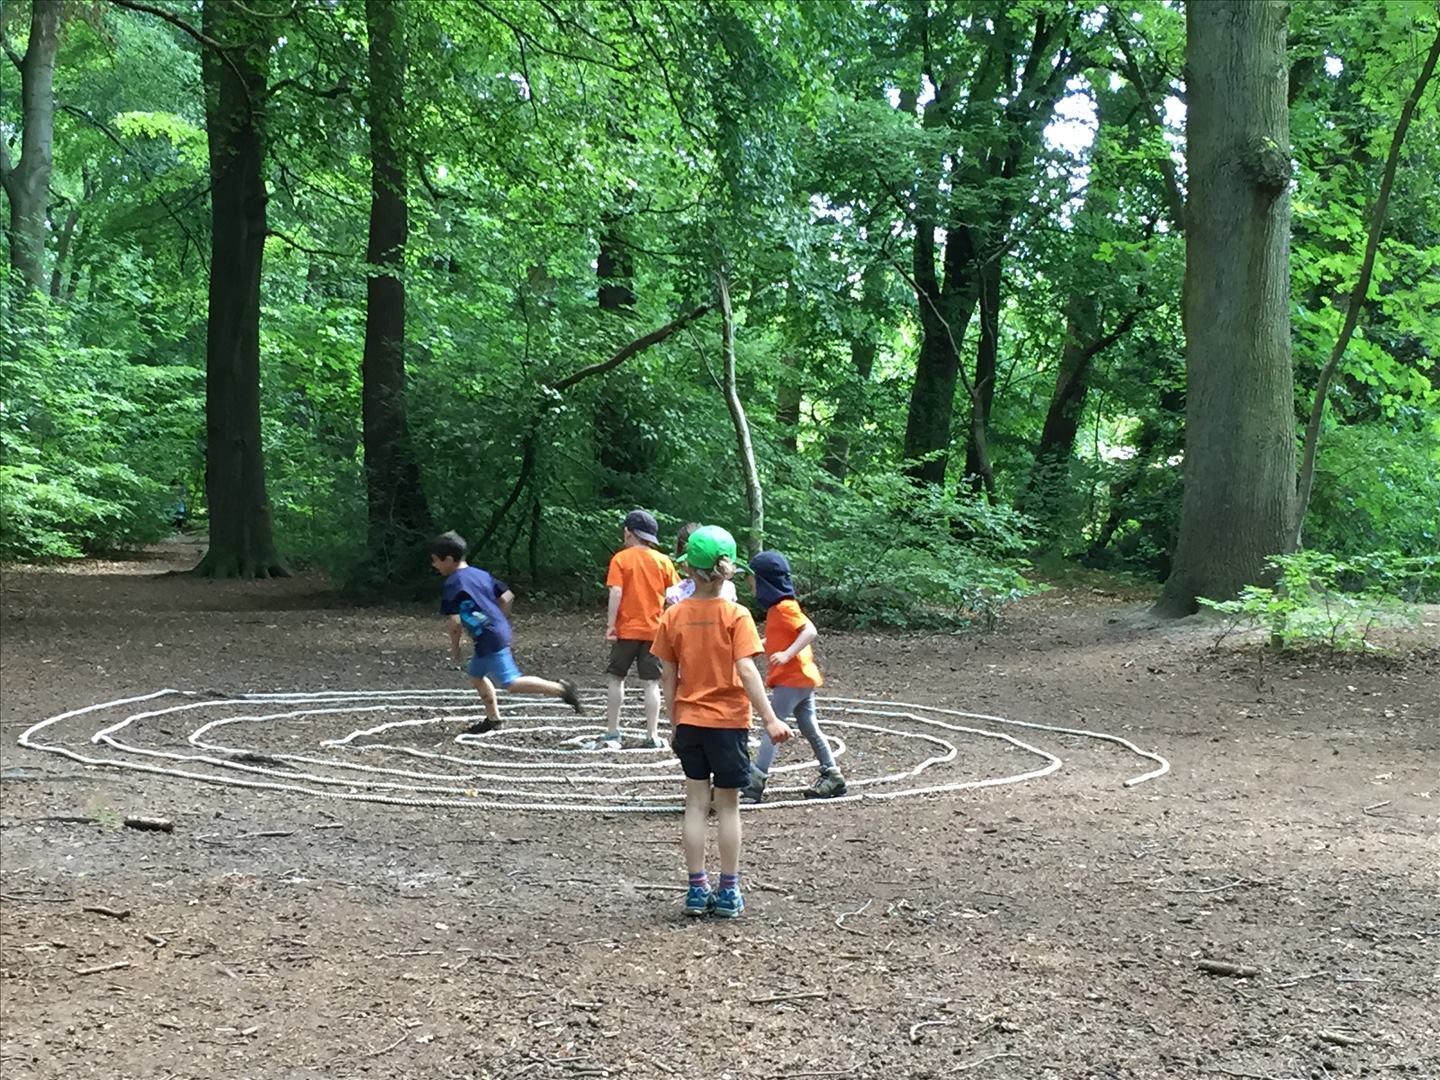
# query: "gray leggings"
{"type": "Point", "coordinates": [799, 702]}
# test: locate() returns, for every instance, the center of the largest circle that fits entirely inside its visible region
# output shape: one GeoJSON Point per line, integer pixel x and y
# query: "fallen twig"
{"type": "Point", "coordinates": [1374, 806]}
{"type": "Point", "coordinates": [840, 919]}
{"type": "Point", "coordinates": [796, 995]}
{"type": "Point", "coordinates": [920, 1025]}
{"type": "Point", "coordinates": [149, 824]}
{"type": "Point", "coordinates": [655, 886]}
{"type": "Point", "coordinates": [328, 825]}
{"type": "Point", "coordinates": [1220, 888]}
{"type": "Point", "coordinates": [387, 1049]}
{"type": "Point", "coordinates": [156, 940]}
{"type": "Point", "coordinates": [276, 834]}
{"type": "Point", "coordinates": [983, 1060]}
{"type": "Point", "coordinates": [1339, 1039]}
{"type": "Point", "coordinates": [1223, 967]}
{"type": "Point", "coordinates": [116, 966]}
{"type": "Point", "coordinates": [99, 909]}
{"type": "Point", "coordinates": [1299, 979]}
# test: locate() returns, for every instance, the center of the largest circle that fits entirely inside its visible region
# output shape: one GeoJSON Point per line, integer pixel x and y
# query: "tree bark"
{"type": "Point", "coordinates": [787, 410]}
{"type": "Point", "coordinates": [1238, 506]}
{"type": "Point", "coordinates": [399, 516]}
{"type": "Point", "coordinates": [27, 184]}
{"type": "Point", "coordinates": [850, 407]}
{"type": "Point", "coordinates": [987, 362]}
{"type": "Point", "coordinates": [241, 540]}
{"type": "Point", "coordinates": [754, 496]}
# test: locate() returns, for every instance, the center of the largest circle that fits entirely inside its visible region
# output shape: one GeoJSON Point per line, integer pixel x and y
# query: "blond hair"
{"type": "Point", "coordinates": [723, 570]}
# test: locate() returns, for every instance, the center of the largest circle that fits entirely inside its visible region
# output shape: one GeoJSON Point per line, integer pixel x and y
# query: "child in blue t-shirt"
{"type": "Point", "coordinates": [477, 603]}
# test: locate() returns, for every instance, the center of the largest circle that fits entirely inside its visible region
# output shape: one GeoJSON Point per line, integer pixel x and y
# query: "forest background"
{"type": "Point", "coordinates": [894, 287]}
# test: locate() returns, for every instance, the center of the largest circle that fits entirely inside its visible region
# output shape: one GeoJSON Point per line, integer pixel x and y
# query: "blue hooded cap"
{"type": "Point", "coordinates": [772, 579]}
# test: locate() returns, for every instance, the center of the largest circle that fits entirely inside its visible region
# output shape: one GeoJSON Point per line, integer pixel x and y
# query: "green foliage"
{"type": "Point", "coordinates": [888, 552]}
{"type": "Point", "coordinates": [1320, 599]}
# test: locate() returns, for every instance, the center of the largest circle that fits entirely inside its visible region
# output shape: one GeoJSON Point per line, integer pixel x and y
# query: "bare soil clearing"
{"type": "Point", "coordinates": [1049, 929]}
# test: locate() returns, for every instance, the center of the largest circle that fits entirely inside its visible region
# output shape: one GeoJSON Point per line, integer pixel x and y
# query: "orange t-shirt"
{"type": "Point", "coordinates": [704, 638]}
{"type": "Point", "coordinates": [643, 575]}
{"type": "Point", "coordinates": [783, 624]}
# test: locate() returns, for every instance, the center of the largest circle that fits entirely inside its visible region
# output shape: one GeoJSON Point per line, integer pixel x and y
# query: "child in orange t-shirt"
{"type": "Point", "coordinates": [707, 646]}
{"type": "Point", "coordinates": [637, 580]}
{"type": "Point", "coordinates": [792, 676]}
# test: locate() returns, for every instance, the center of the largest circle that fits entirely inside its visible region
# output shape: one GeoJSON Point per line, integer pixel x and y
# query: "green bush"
{"type": "Point", "coordinates": [1322, 599]}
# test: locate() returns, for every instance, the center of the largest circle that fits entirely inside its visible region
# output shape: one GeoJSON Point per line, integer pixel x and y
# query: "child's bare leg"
{"type": "Point", "coordinates": [614, 695]}
{"type": "Point", "coordinates": [486, 690]}
{"type": "Point", "coordinates": [727, 817]}
{"type": "Point", "coordinates": [692, 833]}
{"type": "Point", "coordinates": [532, 684]}
{"type": "Point", "coordinates": [651, 689]}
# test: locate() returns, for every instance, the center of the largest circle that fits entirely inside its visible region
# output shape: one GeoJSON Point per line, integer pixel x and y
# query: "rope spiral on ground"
{"type": "Point", "coordinates": [413, 757]}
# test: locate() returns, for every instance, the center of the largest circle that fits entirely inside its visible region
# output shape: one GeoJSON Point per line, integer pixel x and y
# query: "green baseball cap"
{"type": "Point", "coordinates": [707, 546]}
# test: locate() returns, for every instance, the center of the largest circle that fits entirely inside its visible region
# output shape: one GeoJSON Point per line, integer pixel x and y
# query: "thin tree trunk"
{"type": "Point", "coordinates": [787, 411]}
{"type": "Point", "coordinates": [1362, 288]}
{"type": "Point", "coordinates": [241, 540]}
{"type": "Point", "coordinates": [754, 496]}
{"type": "Point", "coordinates": [399, 516]}
{"type": "Point", "coordinates": [1239, 502]}
{"type": "Point", "coordinates": [978, 471]}
{"type": "Point", "coordinates": [851, 406]}
{"type": "Point", "coordinates": [27, 184]}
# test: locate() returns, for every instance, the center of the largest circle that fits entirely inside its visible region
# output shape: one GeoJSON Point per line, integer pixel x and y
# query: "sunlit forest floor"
{"type": "Point", "coordinates": [1052, 928]}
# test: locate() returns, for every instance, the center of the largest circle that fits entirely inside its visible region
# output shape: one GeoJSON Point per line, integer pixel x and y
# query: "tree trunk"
{"type": "Point", "coordinates": [27, 185]}
{"type": "Point", "coordinates": [754, 497]}
{"type": "Point", "coordinates": [787, 410]}
{"type": "Point", "coordinates": [241, 540]}
{"type": "Point", "coordinates": [944, 316]}
{"type": "Point", "coordinates": [848, 413]}
{"type": "Point", "coordinates": [399, 517]}
{"type": "Point", "coordinates": [1239, 500]}
{"type": "Point", "coordinates": [978, 472]}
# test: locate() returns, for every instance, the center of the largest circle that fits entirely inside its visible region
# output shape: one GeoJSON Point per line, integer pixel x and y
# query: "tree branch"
{"type": "Point", "coordinates": [278, 235]}
{"type": "Point", "coordinates": [1306, 478]}
{"type": "Point", "coordinates": [640, 344]}
{"type": "Point", "coordinates": [176, 21]}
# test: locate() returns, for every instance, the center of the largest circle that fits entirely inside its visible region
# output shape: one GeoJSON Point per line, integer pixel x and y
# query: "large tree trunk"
{"type": "Point", "coordinates": [399, 516]}
{"type": "Point", "coordinates": [1239, 498]}
{"type": "Point", "coordinates": [27, 185]}
{"type": "Point", "coordinates": [241, 540]}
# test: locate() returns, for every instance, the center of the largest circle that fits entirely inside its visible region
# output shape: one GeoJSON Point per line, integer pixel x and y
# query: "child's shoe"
{"type": "Point", "coordinates": [830, 785]}
{"type": "Point", "coordinates": [699, 900]}
{"type": "Point", "coordinates": [727, 903]}
{"type": "Point", "coordinates": [609, 740]}
{"type": "Point", "coordinates": [657, 742]}
{"type": "Point", "coordinates": [754, 791]}
{"type": "Point", "coordinates": [569, 695]}
{"type": "Point", "coordinates": [490, 723]}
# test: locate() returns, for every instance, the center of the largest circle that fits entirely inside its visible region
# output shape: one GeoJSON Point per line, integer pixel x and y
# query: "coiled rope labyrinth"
{"type": "Point", "coordinates": [537, 761]}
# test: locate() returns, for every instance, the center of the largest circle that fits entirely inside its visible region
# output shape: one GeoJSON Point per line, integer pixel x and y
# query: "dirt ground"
{"type": "Point", "coordinates": [1053, 928]}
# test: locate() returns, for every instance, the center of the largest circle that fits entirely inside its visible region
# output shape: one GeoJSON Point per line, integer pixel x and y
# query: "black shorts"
{"type": "Point", "coordinates": [719, 753]}
{"type": "Point", "coordinates": [628, 651]}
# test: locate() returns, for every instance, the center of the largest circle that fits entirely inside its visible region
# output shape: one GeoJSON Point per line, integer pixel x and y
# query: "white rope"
{"type": "Point", "coordinates": [566, 777]}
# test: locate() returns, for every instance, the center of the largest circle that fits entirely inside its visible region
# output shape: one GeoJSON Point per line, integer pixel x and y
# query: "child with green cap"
{"type": "Point", "coordinates": [707, 648]}
{"type": "Point", "coordinates": [791, 675]}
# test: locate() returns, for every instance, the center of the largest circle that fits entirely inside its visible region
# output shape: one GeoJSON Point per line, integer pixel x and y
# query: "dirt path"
{"type": "Point", "coordinates": [1047, 929]}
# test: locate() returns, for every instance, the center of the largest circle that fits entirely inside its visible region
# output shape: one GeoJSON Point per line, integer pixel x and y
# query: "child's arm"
{"type": "Point", "coordinates": [755, 691]}
{"type": "Point", "coordinates": [453, 625]}
{"type": "Point", "coordinates": [669, 681]}
{"type": "Point", "coordinates": [613, 611]}
{"type": "Point", "coordinates": [505, 599]}
{"type": "Point", "coordinates": [807, 634]}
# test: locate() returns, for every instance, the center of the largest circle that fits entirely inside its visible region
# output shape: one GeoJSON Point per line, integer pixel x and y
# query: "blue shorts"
{"type": "Point", "coordinates": [498, 667]}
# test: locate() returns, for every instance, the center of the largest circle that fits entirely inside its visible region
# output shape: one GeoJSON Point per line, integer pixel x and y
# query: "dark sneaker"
{"type": "Point", "coordinates": [728, 903]}
{"type": "Point", "coordinates": [569, 695]}
{"type": "Point", "coordinates": [754, 791]}
{"type": "Point", "coordinates": [831, 785]}
{"type": "Point", "coordinates": [699, 900]}
{"type": "Point", "coordinates": [490, 723]}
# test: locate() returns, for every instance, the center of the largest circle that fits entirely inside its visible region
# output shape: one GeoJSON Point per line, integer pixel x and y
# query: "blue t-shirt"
{"type": "Point", "coordinates": [474, 595]}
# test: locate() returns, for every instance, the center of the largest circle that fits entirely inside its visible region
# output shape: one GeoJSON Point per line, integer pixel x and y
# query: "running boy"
{"type": "Point", "coordinates": [637, 580]}
{"type": "Point", "coordinates": [791, 675]}
{"type": "Point", "coordinates": [707, 646]}
{"type": "Point", "coordinates": [478, 603]}
{"type": "Point", "coordinates": [685, 588]}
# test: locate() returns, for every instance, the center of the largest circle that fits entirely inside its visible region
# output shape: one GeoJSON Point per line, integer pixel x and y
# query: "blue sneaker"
{"type": "Point", "coordinates": [699, 900]}
{"type": "Point", "coordinates": [728, 903]}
